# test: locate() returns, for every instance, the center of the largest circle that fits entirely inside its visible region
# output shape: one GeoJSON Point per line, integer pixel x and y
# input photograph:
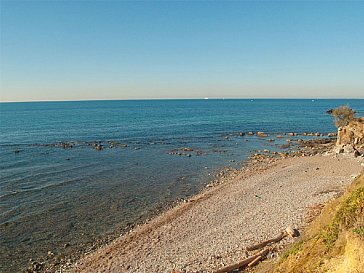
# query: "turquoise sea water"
{"type": "Point", "coordinates": [51, 197]}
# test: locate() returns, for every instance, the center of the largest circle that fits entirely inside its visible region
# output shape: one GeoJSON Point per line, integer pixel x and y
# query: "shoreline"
{"type": "Point", "coordinates": [110, 257]}
{"type": "Point", "coordinates": [56, 259]}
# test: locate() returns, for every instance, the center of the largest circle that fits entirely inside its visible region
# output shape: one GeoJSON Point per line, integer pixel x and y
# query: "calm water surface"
{"type": "Point", "coordinates": [51, 196]}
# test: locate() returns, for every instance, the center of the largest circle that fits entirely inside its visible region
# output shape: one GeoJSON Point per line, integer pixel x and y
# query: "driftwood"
{"type": "Point", "coordinates": [243, 262]}
{"type": "Point", "coordinates": [255, 261]}
{"type": "Point", "coordinates": [263, 244]}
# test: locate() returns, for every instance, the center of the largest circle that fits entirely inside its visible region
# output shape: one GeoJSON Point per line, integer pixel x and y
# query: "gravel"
{"type": "Point", "coordinates": [213, 228]}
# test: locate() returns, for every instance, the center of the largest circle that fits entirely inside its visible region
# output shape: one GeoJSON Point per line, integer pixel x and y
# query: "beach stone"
{"type": "Point", "coordinates": [348, 149]}
{"type": "Point", "coordinates": [292, 232]}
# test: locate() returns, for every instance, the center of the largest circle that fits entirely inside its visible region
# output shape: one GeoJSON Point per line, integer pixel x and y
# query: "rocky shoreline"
{"type": "Point", "coordinates": [259, 161]}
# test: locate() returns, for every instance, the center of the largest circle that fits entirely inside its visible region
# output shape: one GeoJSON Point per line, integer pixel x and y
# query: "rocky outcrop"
{"type": "Point", "coordinates": [353, 133]}
{"type": "Point", "coordinates": [350, 138]}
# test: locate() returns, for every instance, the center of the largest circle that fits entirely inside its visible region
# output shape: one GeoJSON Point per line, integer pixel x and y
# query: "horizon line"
{"type": "Point", "coordinates": [202, 98]}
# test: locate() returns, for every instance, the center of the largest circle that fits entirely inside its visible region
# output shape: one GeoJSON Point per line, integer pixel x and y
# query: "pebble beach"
{"type": "Point", "coordinates": [241, 208]}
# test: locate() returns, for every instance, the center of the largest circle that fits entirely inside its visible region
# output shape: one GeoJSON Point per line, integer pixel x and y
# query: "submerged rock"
{"type": "Point", "coordinates": [99, 147]}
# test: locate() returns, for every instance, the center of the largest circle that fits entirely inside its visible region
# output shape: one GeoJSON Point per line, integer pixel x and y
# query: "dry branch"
{"type": "Point", "coordinates": [243, 262]}
{"type": "Point", "coordinates": [255, 261]}
{"type": "Point", "coordinates": [263, 244]}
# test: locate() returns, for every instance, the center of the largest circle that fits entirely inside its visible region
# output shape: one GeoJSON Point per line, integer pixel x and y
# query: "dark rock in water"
{"type": "Point", "coordinates": [187, 149]}
{"type": "Point", "coordinates": [250, 134]}
{"type": "Point", "coordinates": [241, 134]}
{"type": "Point", "coordinates": [17, 152]}
{"type": "Point", "coordinates": [35, 267]}
{"type": "Point", "coordinates": [285, 146]}
{"type": "Point", "coordinates": [329, 111]}
{"type": "Point", "coordinates": [99, 147]}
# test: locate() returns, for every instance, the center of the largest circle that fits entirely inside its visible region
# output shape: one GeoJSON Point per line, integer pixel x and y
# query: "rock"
{"type": "Point", "coordinates": [353, 133]}
{"type": "Point", "coordinates": [241, 134]}
{"type": "Point", "coordinates": [262, 134]}
{"type": "Point", "coordinates": [292, 232]}
{"type": "Point", "coordinates": [271, 140]}
{"type": "Point", "coordinates": [292, 134]}
{"type": "Point", "coordinates": [356, 153]}
{"type": "Point", "coordinates": [250, 134]}
{"type": "Point", "coordinates": [332, 134]}
{"type": "Point", "coordinates": [187, 149]}
{"type": "Point", "coordinates": [348, 149]}
{"type": "Point", "coordinates": [98, 147]}
{"type": "Point", "coordinates": [279, 136]}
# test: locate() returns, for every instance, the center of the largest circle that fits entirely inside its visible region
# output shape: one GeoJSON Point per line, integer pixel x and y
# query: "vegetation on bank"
{"type": "Point", "coordinates": [343, 115]}
{"type": "Point", "coordinates": [334, 242]}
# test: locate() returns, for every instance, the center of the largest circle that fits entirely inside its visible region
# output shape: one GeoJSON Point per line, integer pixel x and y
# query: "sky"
{"type": "Point", "coordinates": [80, 50]}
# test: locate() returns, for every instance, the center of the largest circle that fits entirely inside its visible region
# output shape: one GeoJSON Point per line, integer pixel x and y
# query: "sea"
{"type": "Point", "coordinates": [73, 173]}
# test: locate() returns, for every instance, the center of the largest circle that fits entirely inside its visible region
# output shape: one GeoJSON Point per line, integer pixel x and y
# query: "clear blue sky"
{"type": "Point", "coordinates": [67, 50]}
